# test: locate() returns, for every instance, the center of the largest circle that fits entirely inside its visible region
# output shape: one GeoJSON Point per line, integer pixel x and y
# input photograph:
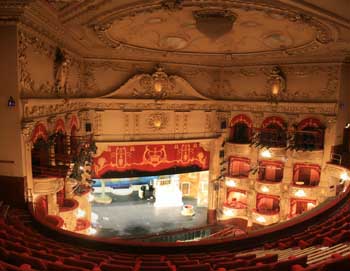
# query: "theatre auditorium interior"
{"type": "Point", "coordinates": [174, 135]}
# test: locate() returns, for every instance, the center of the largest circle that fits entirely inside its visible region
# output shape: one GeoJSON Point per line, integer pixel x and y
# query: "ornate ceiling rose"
{"type": "Point", "coordinates": [214, 23]}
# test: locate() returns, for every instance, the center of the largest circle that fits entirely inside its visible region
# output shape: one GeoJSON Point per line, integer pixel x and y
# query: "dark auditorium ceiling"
{"type": "Point", "coordinates": [222, 33]}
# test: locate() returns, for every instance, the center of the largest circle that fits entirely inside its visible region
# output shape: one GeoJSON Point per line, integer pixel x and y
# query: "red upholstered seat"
{"type": "Point", "coordinates": [44, 256]}
{"type": "Point", "coordinates": [9, 267]}
{"type": "Point", "coordinates": [287, 264]}
{"type": "Point", "coordinates": [344, 235]}
{"type": "Point", "coordinates": [153, 263]}
{"type": "Point", "coordinates": [245, 257]}
{"type": "Point", "coordinates": [122, 262]}
{"type": "Point", "coordinates": [337, 263]}
{"type": "Point", "coordinates": [16, 247]}
{"type": "Point", "coordinates": [63, 267]}
{"type": "Point", "coordinates": [184, 262]}
{"type": "Point", "coordinates": [194, 267]}
{"type": "Point", "coordinates": [155, 268]}
{"type": "Point", "coordinates": [94, 259]}
{"type": "Point", "coordinates": [79, 263]}
{"type": "Point", "coordinates": [270, 258]}
{"type": "Point", "coordinates": [114, 267]}
{"type": "Point", "coordinates": [259, 267]}
{"type": "Point", "coordinates": [19, 259]}
{"type": "Point", "coordinates": [315, 267]}
{"type": "Point", "coordinates": [232, 264]}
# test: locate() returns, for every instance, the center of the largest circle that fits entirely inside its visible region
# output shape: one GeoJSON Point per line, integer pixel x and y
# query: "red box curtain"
{"type": "Point", "coordinates": [150, 158]}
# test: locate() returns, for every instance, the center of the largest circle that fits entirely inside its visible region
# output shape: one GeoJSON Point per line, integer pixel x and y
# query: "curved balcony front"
{"type": "Point", "coordinates": [313, 157]}
{"type": "Point", "coordinates": [243, 183]}
{"type": "Point", "coordinates": [48, 185]}
{"type": "Point", "coordinates": [230, 211]}
{"type": "Point", "coordinates": [306, 192]}
{"type": "Point", "coordinates": [266, 187]}
{"type": "Point", "coordinates": [265, 218]}
{"type": "Point", "coordinates": [234, 149]}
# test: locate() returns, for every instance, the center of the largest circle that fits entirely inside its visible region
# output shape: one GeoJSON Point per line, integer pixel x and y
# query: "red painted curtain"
{"type": "Point", "coordinates": [151, 158]}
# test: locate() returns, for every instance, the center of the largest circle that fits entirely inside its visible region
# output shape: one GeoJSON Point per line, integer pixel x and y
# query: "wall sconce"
{"type": "Point", "coordinates": [300, 193]}
{"type": "Point", "coordinates": [261, 219]}
{"type": "Point", "coordinates": [231, 183]}
{"type": "Point", "coordinates": [265, 189]}
{"type": "Point", "coordinates": [11, 102]}
{"type": "Point", "coordinates": [266, 154]}
{"type": "Point", "coordinates": [158, 87]}
{"type": "Point", "coordinates": [157, 123]}
{"type": "Point", "coordinates": [277, 84]}
{"type": "Point", "coordinates": [344, 177]}
{"type": "Point", "coordinates": [159, 81]}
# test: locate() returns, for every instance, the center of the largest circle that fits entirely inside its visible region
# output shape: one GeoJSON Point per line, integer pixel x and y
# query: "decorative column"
{"type": "Point", "coordinates": [52, 155]}
{"type": "Point", "coordinates": [284, 206]}
{"type": "Point", "coordinates": [214, 182]}
{"type": "Point", "coordinates": [251, 205]}
{"type": "Point", "coordinates": [329, 139]}
{"type": "Point", "coordinates": [52, 206]}
{"type": "Point", "coordinates": [68, 149]}
{"type": "Point", "coordinates": [27, 130]}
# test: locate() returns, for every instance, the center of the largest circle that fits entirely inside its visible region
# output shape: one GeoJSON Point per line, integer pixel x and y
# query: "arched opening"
{"type": "Point", "coordinates": [306, 175]}
{"type": "Point", "coordinates": [309, 135]}
{"type": "Point", "coordinates": [267, 204]}
{"type": "Point", "coordinates": [273, 133]}
{"type": "Point", "coordinates": [240, 130]}
{"type": "Point", "coordinates": [60, 148]}
{"type": "Point", "coordinates": [73, 141]}
{"type": "Point", "coordinates": [40, 156]}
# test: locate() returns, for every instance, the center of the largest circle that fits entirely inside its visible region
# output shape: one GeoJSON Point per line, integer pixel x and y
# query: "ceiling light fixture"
{"type": "Point", "coordinates": [276, 84]}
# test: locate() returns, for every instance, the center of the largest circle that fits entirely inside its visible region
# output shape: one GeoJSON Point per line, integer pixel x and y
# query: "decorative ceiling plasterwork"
{"type": "Point", "coordinates": [12, 10]}
{"type": "Point", "coordinates": [57, 83]}
{"type": "Point", "coordinates": [166, 36]}
{"type": "Point", "coordinates": [143, 86]}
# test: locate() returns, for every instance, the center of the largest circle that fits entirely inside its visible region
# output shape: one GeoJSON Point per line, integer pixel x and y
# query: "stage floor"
{"type": "Point", "coordinates": [130, 216]}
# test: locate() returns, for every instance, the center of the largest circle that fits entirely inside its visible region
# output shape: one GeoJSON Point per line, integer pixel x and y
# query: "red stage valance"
{"type": "Point", "coordinates": [150, 158]}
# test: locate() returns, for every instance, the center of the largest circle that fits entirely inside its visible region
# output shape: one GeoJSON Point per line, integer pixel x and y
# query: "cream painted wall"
{"type": "Point", "coordinates": [11, 156]}
{"type": "Point", "coordinates": [119, 125]}
{"type": "Point", "coordinates": [343, 116]}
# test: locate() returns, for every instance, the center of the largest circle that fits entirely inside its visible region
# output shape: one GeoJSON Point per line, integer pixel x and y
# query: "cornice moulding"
{"type": "Point", "coordinates": [37, 108]}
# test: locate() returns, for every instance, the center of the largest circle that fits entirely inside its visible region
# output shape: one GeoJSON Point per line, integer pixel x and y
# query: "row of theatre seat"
{"type": "Point", "coordinates": [22, 247]}
{"type": "Point", "coordinates": [334, 230]}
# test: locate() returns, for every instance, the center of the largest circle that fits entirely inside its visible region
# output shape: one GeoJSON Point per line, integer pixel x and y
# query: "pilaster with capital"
{"type": "Point", "coordinates": [284, 206]}
{"type": "Point", "coordinates": [329, 138]}
{"type": "Point", "coordinates": [251, 205]}
{"type": "Point", "coordinates": [27, 130]}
